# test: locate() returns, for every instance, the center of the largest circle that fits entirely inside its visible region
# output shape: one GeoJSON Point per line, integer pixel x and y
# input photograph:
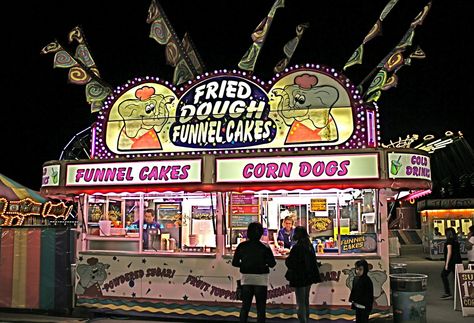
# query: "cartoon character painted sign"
{"type": "Point", "coordinates": [143, 119]}
{"type": "Point", "coordinates": [307, 108]}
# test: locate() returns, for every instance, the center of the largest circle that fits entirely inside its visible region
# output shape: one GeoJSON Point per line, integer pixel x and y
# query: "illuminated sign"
{"type": "Point", "coordinates": [409, 166]}
{"type": "Point", "coordinates": [306, 108]}
{"type": "Point", "coordinates": [50, 175]}
{"type": "Point", "coordinates": [299, 168]}
{"type": "Point", "coordinates": [15, 212]}
{"type": "Point", "coordinates": [318, 205]}
{"type": "Point", "coordinates": [130, 173]}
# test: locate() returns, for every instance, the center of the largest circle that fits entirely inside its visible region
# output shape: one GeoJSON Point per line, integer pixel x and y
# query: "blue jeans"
{"type": "Point", "coordinates": [302, 300]}
{"type": "Point", "coordinates": [260, 292]}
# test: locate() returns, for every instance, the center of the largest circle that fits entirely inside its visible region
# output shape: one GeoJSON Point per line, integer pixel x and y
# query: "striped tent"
{"type": "Point", "coordinates": [14, 191]}
{"type": "Point", "coordinates": [18, 203]}
{"type": "Point", "coordinates": [35, 261]}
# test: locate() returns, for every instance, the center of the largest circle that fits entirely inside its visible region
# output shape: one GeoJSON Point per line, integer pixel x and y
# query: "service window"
{"type": "Point", "coordinates": [358, 222]}
{"type": "Point", "coordinates": [152, 222]}
{"type": "Point", "coordinates": [338, 222]}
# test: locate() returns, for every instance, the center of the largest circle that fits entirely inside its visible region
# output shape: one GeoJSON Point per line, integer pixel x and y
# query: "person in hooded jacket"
{"type": "Point", "coordinates": [254, 258]}
{"type": "Point", "coordinates": [302, 271]}
{"type": "Point", "coordinates": [362, 292]}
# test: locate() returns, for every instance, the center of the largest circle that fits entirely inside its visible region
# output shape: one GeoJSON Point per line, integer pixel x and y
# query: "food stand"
{"type": "Point", "coordinates": [443, 214]}
{"type": "Point", "coordinates": [209, 158]}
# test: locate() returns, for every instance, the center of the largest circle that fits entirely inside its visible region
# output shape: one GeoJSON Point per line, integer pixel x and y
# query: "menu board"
{"type": "Point", "coordinates": [246, 199]}
{"type": "Point", "coordinates": [168, 211]}
{"type": "Point", "coordinates": [201, 212]}
{"type": "Point", "coordinates": [244, 209]}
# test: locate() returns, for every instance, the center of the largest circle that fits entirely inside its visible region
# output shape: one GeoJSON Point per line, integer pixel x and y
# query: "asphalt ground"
{"type": "Point", "coordinates": [437, 310]}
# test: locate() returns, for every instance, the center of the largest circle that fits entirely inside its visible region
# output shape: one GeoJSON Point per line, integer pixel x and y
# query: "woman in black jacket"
{"type": "Point", "coordinates": [302, 271]}
{"type": "Point", "coordinates": [254, 259]}
{"type": "Point", "coordinates": [362, 293]}
{"type": "Point", "coordinates": [452, 256]}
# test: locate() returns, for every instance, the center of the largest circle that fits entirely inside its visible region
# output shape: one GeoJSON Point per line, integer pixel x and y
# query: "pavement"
{"type": "Point", "coordinates": [437, 310]}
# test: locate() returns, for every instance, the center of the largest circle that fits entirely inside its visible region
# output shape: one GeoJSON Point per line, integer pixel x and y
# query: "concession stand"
{"type": "Point", "coordinates": [442, 214]}
{"type": "Point", "coordinates": [213, 156]}
{"type": "Point", "coordinates": [35, 250]}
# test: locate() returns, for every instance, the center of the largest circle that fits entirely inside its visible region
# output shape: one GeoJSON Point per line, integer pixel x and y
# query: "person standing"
{"type": "Point", "coordinates": [302, 271]}
{"type": "Point", "coordinates": [254, 259]}
{"type": "Point", "coordinates": [285, 234]}
{"type": "Point", "coordinates": [470, 245]}
{"type": "Point", "coordinates": [452, 256]}
{"type": "Point", "coordinates": [362, 292]}
{"type": "Point", "coordinates": [148, 223]}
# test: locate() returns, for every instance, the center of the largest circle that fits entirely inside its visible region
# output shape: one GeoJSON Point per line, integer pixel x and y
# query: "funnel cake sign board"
{"type": "Point", "coordinates": [307, 108]}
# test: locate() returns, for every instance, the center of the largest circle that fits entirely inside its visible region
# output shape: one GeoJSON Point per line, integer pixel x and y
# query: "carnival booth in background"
{"type": "Point", "coordinates": [439, 214]}
{"type": "Point", "coordinates": [35, 252]}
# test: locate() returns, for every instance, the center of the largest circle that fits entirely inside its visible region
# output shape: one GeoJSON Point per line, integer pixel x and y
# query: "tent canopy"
{"type": "Point", "coordinates": [13, 191]}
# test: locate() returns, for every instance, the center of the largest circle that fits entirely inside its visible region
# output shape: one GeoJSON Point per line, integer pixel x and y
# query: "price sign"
{"type": "Point", "coordinates": [465, 284]}
{"type": "Point", "coordinates": [244, 199]}
{"type": "Point", "coordinates": [242, 221]}
{"type": "Point", "coordinates": [318, 205]}
{"type": "Point", "coordinates": [245, 209]}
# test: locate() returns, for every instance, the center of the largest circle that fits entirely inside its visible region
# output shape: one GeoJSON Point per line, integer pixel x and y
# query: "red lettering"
{"type": "Point", "coordinates": [331, 168]}
{"type": "Point", "coordinates": [343, 171]}
{"type": "Point", "coordinates": [184, 172]}
{"type": "Point", "coordinates": [285, 169]}
{"type": "Point", "coordinates": [174, 172]}
{"type": "Point", "coordinates": [305, 169]}
{"type": "Point", "coordinates": [164, 172]}
{"type": "Point", "coordinates": [318, 168]}
{"type": "Point", "coordinates": [271, 170]}
{"type": "Point", "coordinates": [121, 173]}
{"type": "Point", "coordinates": [246, 173]}
{"type": "Point", "coordinates": [259, 170]}
{"type": "Point", "coordinates": [142, 174]}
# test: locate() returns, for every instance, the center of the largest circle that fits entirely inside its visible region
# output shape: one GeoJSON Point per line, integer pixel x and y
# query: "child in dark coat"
{"type": "Point", "coordinates": [362, 293]}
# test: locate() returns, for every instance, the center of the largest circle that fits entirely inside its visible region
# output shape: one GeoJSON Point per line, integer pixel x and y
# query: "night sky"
{"type": "Point", "coordinates": [42, 112]}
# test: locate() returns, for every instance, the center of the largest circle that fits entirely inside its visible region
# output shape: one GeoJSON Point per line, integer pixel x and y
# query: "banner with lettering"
{"type": "Point", "coordinates": [130, 173]}
{"type": "Point", "coordinates": [200, 283]}
{"type": "Point", "coordinates": [297, 168]}
{"type": "Point", "coordinates": [409, 166]}
{"type": "Point", "coordinates": [224, 111]}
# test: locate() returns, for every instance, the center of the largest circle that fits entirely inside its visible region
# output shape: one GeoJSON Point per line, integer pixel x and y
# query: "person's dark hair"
{"type": "Point", "coordinates": [301, 236]}
{"type": "Point", "coordinates": [150, 211]}
{"type": "Point", "coordinates": [254, 231]}
{"type": "Point", "coordinates": [451, 234]}
{"type": "Point", "coordinates": [364, 264]}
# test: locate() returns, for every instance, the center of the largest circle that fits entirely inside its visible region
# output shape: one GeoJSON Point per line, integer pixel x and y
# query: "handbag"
{"type": "Point", "coordinates": [238, 291]}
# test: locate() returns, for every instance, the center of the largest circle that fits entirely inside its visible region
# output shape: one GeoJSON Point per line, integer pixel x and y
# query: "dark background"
{"type": "Point", "coordinates": [42, 112]}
